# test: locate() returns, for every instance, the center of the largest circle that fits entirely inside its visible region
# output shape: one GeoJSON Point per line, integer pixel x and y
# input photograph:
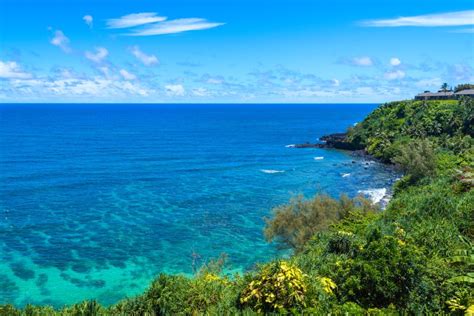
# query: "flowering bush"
{"type": "Point", "coordinates": [278, 286]}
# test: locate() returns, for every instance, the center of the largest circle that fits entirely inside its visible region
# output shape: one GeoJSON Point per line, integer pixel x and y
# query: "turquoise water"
{"type": "Point", "coordinates": [95, 200]}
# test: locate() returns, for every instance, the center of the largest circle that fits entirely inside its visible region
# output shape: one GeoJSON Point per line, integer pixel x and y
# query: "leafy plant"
{"type": "Point", "coordinates": [278, 286]}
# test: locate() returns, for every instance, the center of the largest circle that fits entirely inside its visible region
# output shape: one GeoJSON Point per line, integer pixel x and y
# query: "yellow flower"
{"type": "Point", "coordinates": [328, 284]}
{"type": "Point", "coordinates": [455, 305]}
{"type": "Point", "coordinates": [469, 311]}
{"type": "Point", "coordinates": [211, 277]}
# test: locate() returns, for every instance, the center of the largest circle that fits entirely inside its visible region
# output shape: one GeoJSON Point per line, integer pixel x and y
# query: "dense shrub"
{"type": "Point", "coordinates": [384, 272]}
{"type": "Point", "coordinates": [417, 159]}
{"type": "Point", "coordinates": [293, 224]}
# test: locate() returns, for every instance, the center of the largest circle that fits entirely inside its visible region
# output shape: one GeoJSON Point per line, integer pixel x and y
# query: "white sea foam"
{"type": "Point", "coordinates": [345, 175]}
{"type": "Point", "coordinates": [318, 158]}
{"type": "Point", "coordinates": [271, 171]}
{"type": "Point", "coordinates": [375, 195]}
{"type": "Point", "coordinates": [290, 146]}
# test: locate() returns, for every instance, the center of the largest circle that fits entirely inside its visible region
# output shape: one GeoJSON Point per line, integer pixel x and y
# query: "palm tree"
{"type": "Point", "coordinates": [444, 87]}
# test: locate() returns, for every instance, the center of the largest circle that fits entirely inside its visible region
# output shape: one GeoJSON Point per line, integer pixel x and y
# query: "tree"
{"type": "Point", "coordinates": [293, 224]}
{"type": "Point", "coordinates": [463, 86]}
{"type": "Point", "coordinates": [444, 87]}
{"type": "Point", "coordinates": [417, 159]}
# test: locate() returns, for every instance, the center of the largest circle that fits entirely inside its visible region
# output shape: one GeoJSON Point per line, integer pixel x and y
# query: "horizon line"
{"type": "Point", "coordinates": [190, 103]}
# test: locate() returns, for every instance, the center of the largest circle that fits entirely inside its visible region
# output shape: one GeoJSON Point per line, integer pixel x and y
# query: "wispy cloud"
{"type": "Point", "coordinates": [150, 23]}
{"type": "Point", "coordinates": [147, 60]}
{"type": "Point", "coordinates": [394, 75]}
{"type": "Point", "coordinates": [134, 19]}
{"type": "Point", "coordinates": [429, 83]}
{"type": "Point", "coordinates": [175, 26]}
{"type": "Point", "coordinates": [458, 18]}
{"type": "Point", "coordinates": [98, 56]}
{"type": "Point", "coordinates": [362, 61]}
{"type": "Point", "coordinates": [61, 41]}
{"type": "Point", "coordinates": [126, 75]}
{"type": "Point", "coordinates": [88, 19]}
{"type": "Point", "coordinates": [11, 70]}
{"type": "Point", "coordinates": [77, 88]}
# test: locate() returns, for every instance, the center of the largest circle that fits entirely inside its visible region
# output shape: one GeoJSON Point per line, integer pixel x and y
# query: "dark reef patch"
{"type": "Point", "coordinates": [8, 289]}
{"type": "Point", "coordinates": [21, 271]}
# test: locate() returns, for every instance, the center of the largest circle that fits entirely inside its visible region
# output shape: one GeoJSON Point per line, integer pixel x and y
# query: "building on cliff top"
{"type": "Point", "coordinates": [444, 95]}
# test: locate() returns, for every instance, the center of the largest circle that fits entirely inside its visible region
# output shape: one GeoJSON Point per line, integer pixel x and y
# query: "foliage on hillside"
{"type": "Point", "coordinates": [415, 257]}
{"type": "Point", "coordinates": [293, 224]}
{"type": "Point", "coordinates": [448, 124]}
{"type": "Point", "coordinates": [463, 86]}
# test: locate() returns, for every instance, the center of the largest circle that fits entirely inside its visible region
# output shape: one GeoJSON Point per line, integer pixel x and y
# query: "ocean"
{"type": "Point", "coordinates": [97, 199]}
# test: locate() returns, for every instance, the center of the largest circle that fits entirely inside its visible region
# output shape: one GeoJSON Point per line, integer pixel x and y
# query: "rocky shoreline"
{"type": "Point", "coordinates": [335, 141]}
{"type": "Point", "coordinates": [341, 142]}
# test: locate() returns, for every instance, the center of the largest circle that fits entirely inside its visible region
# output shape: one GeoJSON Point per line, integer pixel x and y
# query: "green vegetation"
{"type": "Point", "coordinates": [445, 87]}
{"type": "Point", "coordinates": [463, 86]}
{"type": "Point", "coordinates": [294, 224]}
{"type": "Point", "coordinates": [415, 257]}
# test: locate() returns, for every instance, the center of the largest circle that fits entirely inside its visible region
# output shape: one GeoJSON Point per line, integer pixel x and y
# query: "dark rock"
{"type": "Point", "coordinates": [336, 141]}
{"type": "Point", "coordinates": [308, 145]}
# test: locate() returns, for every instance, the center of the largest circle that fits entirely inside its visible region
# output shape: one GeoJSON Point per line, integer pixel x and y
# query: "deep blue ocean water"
{"type": "Point", "coordinates": [95, 200]}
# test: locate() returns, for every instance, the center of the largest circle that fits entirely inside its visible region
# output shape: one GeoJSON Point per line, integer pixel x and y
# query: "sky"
{"type": "Point", "coordinates": [232, 51]}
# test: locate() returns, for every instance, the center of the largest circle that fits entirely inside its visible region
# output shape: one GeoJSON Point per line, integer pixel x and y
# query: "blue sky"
{"type": "Point", "coordinates": [232, 51]}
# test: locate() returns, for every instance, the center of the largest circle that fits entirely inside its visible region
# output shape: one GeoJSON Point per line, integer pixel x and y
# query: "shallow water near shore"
{"type": "Point", "coordinates": [96, 200]}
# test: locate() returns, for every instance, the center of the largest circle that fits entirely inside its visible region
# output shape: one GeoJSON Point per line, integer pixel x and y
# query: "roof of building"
{"type": "Point", "coordinates": [436, 94]}
{"type": "Point", "coordinates": [464, 92]}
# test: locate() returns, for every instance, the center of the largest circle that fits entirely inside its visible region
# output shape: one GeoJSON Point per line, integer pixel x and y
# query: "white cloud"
{"type": "Point", "coordinates": [75, 87]}
{"type": "Point", "coordinates": [88, 19]}
{"type": "Point", "coordinates": [175, 26]}
{"type": "Point", "coordinates": [363, 61]}
{"type": "Point", "coordinates": [61, 41]}
{"type": "Point", "coordinates": [106, 72]}
{"type": "Point", "coordinates": [11, 70]}
{"type": "Point", "coordinates": [174, 90]}
{"type": "Point", "coordinates": [126, 75]}
{"type": "Point", "coordinates": [395, 61]}
{"type": "Point", "coordinates": [442, 19]}
{"type": "Point", "coordinates": [336, 82]}
{"type": "Point", "coordinates": [147, 60]}
{"type": "Point", "coordinates": [100, 54]}
{"type": "Point", "coordinates": [200, 92]}
{"type": "Point", "coordinates": [394, 75]}
{"type": "Point", "coordinates": [364, 91]}
{"type": "Point", "coordinates": [134, 19]}
{"type": "Point", "coordinates": [429, 83]}
{"type": "Point", "coordinates": [215, 81]}
{"type": "Point", "coordinates": [460, 72]}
